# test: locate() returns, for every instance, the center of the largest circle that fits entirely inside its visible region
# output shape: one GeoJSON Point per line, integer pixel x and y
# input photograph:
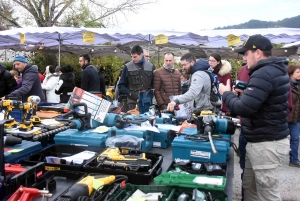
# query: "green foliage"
{"type": "Point", "coordinates": [236, 65]}
{"type": "Point", "coordinates": [292, 22]}
{"type": "Point", "coordinates": [8, 65]}
{"type": "Point", "coordinates": [83, 17]}
{"type": "Point", "coordinates": [43, 59]}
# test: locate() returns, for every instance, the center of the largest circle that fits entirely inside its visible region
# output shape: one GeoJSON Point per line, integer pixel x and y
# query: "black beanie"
{"type": "Point", "coordinates": [66, 69]}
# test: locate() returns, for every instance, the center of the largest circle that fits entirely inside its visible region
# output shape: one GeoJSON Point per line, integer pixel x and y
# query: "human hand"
{"type": "Point", "coordinates": [171, 106]}
{"type": "Point", "coordinates": [223, 88]}
{"type": "Point", "coordinates": [238, 92]}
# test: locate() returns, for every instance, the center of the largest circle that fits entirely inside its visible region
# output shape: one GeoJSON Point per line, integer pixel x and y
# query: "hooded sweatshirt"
{"type": "Point", "coordinates": [200, 86]}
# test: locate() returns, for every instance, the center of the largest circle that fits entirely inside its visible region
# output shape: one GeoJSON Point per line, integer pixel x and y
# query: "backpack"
{"type": "Point", "coordinates": [215, 96]}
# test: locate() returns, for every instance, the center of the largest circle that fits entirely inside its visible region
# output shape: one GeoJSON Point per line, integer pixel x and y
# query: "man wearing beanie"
{"type": "Point", "coordinates": [31, 84]}
{"type": "Point", "coordinates": [90, 79]}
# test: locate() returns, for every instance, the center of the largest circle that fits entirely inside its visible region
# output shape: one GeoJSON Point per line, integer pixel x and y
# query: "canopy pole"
{"type": "Point", "coordinates": [59, 42]}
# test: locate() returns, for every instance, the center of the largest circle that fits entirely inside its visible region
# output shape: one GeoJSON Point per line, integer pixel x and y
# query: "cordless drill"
{"type": "Point", "coordinates": [25, 125]}
{"type": "Point", "coordinates": [34, 100]}
{"type": "Point", "coordinates": [8, 106]}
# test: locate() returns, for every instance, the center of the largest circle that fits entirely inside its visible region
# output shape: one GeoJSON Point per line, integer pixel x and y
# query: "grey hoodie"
{"type": "Point", "coordinates": [199, 90]}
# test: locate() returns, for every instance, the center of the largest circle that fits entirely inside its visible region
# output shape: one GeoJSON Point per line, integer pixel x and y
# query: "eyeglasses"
{"type": "Point", "coordinates": [212, 61]}
{"type": "Point", "coordinates": [184, 65]}
{"type": "Point", "coordinates": [147, 56]}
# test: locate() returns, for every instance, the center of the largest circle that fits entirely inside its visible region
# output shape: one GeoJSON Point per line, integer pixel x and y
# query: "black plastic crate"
{"type": "Point", "coordinates": [57, 182]}
{"type": "Point", "coordinates": [60, 151]}
{"type": "Point", "coordinates": [168, 192]}
{"type": "Point", "coordinates": [26, 178]}
{"type": "Point", "coordinates": [201, 168]}
{"type": "Point", "coordinates": [135, 177]}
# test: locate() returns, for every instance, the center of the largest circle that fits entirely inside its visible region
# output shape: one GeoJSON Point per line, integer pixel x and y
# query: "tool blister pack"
{"type": "Point", "coordinates": [146, 135]}
{"type": "Point", "coordinates": [84, 138]}
{"type": "Point", "coordinates": [139, 167]}
{"type": "Point", "coordinates": [12, 154]}
{"type": "Point", "coordinates": [63, 157]}
{"type": "Point", "coordinates": [192, 147]}
{"type": "Point", "coordinates": [161, 192]}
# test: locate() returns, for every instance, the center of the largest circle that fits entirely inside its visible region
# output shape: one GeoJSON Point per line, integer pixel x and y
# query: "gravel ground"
{"type": "Point", "coordinates": [289, 179]}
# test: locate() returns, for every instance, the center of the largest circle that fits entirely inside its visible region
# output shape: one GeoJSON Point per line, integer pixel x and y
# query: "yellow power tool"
{"type": "Point", "coordinates": [24, 124]}
{"type": "Point", "coordinates": [34, 100]}
{"type": "Point", "coordinates": [8, 106]}
{"type": "Point", "coordinates": [85, 187]}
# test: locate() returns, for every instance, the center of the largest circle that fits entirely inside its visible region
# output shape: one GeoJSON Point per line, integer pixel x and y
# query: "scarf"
{"type": "Point", "coordinates": [168, 69]}
{"type": "Point", "coordinates": [294, 83]}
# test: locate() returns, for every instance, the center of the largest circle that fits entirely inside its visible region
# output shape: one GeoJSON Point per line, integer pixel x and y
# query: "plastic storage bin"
{"type": "Point", "coordinates": [26, 178]}
{"type": "Point", "coordinates": [136, 177]}
{"type": "Point", "coordinates": [60, 151]}
{"type": "Point", "coordinates": [13, 154]}
{"type": "Point", "coordinates": [81, 138]}
{"type": "Point", "coordinates": [169, 193]}
{"type": "Point", "coordinates": [164, 138]}
{"type": "Point", "coordinates": [183, 148]}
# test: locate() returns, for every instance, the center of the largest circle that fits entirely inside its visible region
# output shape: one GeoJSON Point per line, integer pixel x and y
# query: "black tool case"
{"type": "Point", "coordinates": [135, 177]}
{"type": "Point", "coordinates": [60, 151]}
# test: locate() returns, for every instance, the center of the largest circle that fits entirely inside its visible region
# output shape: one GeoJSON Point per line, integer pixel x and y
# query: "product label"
{"type": "Point", "coordinates": [51, 168]}
{"type": "Point", "coordinates": [156, 144]}
{"type": "Point", "coordinates": [200, 154]}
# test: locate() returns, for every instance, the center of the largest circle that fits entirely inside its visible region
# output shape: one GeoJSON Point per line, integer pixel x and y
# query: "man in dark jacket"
{"type": "Point", "coordinates": [90, 79]}
{"type": "Point", "coordinates": [264, 109]}
{"type": "Point", "coordinates": [66, 83]}
{"type": "Point", "coordinates": [137, 76]}
{"type": "Point", "coordinates": [7, 81]}
{"type": "Point", "coordinates": [31, 84]}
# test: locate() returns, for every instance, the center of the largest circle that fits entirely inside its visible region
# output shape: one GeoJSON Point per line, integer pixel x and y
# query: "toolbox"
{"type": "Point", "coordinates": [164, 138]}
{"type": "Point", "coordinates": [166, 119]}
{"type": "Point", "coordinates": [201, 151]}
{"type": "Point", "coordinates": [147, 143]}
{"type": "Point", "coordinates": [140, 174]}
{"type": "Point", "coordinates": [215, 183]}
{"type": "Point", "coordinates": [83, 138]}
{"type": "Point", "coordinates": [169, 193]}
{"type": "Point", "coordinates": [200, 168]}
{"type": "Point", "coordinates": [60, 151]}
{"type": "Point", "coordinates": [25, 178]}
{"type": "Point", "coordinates": [12, 154]}
{"type": "Point", "coordinates": [57, 182]}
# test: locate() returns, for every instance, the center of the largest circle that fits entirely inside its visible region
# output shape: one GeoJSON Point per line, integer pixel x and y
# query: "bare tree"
{"type": "Point", "coordinates": [51, 12]}
{"type": "Point", "coordinates": [6, 15]}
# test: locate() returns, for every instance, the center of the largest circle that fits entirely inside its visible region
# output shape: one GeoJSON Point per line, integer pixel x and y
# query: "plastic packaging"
{"type": "Point", "coordinates": [124, 141]}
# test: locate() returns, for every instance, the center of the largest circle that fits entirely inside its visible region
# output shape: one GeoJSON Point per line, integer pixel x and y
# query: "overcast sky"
{"type": "Point", "coordinates": [189, 15]}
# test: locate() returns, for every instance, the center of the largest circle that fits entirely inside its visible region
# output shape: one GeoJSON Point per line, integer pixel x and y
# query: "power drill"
{"type": "Point", "coordinates": [34, 100]}
{"type": "Point", "coordinates": [85, 187]}
{"type": "Point", "coordinates": [25, 125]}
{"type": "Point", "coordinates": [8, 106]}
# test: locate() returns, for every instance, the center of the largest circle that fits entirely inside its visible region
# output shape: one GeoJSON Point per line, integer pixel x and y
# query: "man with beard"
{"type": "Point", "coordinates": [90, 80]}
{"type": "Point", "coordinates": [200, 85]}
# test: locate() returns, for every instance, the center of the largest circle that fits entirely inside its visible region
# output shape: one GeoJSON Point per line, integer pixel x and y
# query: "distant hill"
{"type": "Point", "coordinates": [293, 22]}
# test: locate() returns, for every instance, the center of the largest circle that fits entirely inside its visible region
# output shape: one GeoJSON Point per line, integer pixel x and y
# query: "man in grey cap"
{"type": "Point", "coordinates": [31, 85]}
{"type": "Point", "coordinates": [263, 106]}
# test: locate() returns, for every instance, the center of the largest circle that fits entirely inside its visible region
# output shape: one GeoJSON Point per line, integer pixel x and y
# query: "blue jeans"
{"type": "Point", "coordinates": [242, 149]}
{"type": "Point", "coordinates": [294, 141]}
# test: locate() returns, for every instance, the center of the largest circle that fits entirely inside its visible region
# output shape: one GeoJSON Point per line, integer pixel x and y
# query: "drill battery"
{"type": "Point", "coordinates": [124, 159]}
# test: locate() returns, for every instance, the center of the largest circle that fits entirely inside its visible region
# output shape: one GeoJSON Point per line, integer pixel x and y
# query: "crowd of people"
{"type": "Point", "coordinates": [269, 107]}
